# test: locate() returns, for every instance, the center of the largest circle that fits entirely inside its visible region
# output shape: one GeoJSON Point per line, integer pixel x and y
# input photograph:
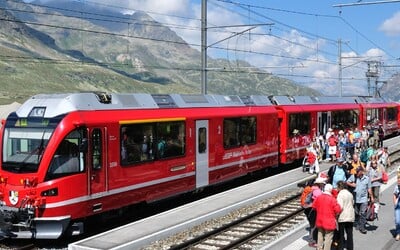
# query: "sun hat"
{"type": "Point", "coordinates": [319, 180]}
{"type": "Point", "coordinates": [328, 188]}
{"type": "Point", "coordinates": [340, 159]}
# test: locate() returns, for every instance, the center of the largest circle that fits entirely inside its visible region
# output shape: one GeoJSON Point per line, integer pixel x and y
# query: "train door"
{"type": "Point", "coordinates": [202, 152]}
{"type": "Point", "coordinates": [324, 122]}
{"type": "Point", "coordinates": [384, 119]}
{"type": "Point", "coordinates": [97, 163]}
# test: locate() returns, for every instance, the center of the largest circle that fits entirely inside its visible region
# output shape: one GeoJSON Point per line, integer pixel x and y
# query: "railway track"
{"type": "Point", "coordinates": [252, 229]}
{"type": "Point", "coordinates": [245, 228]}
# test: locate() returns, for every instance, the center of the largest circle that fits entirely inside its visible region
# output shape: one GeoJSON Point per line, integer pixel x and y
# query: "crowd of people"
{"type": "Point", "coordinates": [340, 200]}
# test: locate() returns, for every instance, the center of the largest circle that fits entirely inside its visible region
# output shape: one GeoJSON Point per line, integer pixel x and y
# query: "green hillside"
{"type": "Point", "coordinates": [88, 55]}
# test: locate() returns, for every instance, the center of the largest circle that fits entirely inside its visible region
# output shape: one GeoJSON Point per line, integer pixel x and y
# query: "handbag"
{"type": "Point", "coordinates": [385, 177]}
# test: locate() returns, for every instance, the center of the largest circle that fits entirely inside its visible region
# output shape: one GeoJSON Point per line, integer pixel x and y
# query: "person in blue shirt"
{"type": "Point", "coordinates": [362, 189]}
{"type": "Point", "coordinates": [338, 172]}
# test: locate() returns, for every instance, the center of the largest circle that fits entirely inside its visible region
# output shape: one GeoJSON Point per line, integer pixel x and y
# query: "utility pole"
{"type": "Point", "coordinates": [204, 47]}
{"type": "Point", "coordinates": [340, 67]}
{"type": "Point", "coordinates": [372, 72]}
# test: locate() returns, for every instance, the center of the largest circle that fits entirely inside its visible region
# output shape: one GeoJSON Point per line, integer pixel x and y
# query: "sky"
{"type": "Point", "coordinates": [294, 39]}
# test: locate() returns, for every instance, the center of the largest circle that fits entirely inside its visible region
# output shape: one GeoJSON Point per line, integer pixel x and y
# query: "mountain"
{"type": "Point", "coordinates": [391, 89]}
{"type": "Point", "coordinates": [73, 46]}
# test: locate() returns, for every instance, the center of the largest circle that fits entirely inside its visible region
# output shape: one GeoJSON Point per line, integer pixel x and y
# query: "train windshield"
{"type": "Point", "coordinates": [23, 148]}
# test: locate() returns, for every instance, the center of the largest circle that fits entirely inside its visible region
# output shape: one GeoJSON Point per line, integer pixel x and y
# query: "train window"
{"type": "Point", "coordinates": [202, 140]}
{"type": "Point", "coordinates": [67, 158]}
{"type": "Point", "coordinates": [96, 148]}
{"type": "Point", "coordinates": [344, 119]}
{"type": "Point", "coordinates": [137, 143]}
{"type": "Point", "coordinates": [171, 138]}
{"type": "Point", "coordinates": [392, 114]}
{"type": "Point", "coordinates": [299, 123]}
{"type": "Point", "coordinates": [150, 141]}
{"type": "Point", "coordinates": [374, 117]}
{"type": "Point", "coordinates": [239, 131]}
{"type": "Point", "coordinates": [23, 148]}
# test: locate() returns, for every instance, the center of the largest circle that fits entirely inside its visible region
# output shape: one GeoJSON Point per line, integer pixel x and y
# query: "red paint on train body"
{"type": "Point", "coordinates": [66, 157]}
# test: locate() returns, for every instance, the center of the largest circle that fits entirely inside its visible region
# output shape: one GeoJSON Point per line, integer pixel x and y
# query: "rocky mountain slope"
{"type": "Point", "coordinates": [61, 49]}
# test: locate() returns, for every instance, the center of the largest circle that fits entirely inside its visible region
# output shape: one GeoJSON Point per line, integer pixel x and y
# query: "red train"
{"type": "Point", "coordinates": [66, 157]}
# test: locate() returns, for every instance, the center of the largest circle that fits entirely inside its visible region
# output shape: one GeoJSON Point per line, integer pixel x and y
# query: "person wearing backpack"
{"type": "Point", "coordinates": [327, 210]}
{"type": "Point", "coordinates": [310, 193]}
{"type": "Point", "coordinates": [362, 188]}
{"type": "Point", "coordinates": [338, 172]}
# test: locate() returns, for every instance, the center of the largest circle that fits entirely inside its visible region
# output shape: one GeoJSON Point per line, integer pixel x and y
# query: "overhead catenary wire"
{"type": "Point", "coordinates": [161, 40]}
{"type": "Point", "coordinates": [191, 44]}
{"type": "Point", "coordinates": [316, 15]}
{"type": "Point", "coordinates": [101, 32]}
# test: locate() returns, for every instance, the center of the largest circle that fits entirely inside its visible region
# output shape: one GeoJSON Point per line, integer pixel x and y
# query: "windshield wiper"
{"type": "Point", "coordinates": [41, 148]}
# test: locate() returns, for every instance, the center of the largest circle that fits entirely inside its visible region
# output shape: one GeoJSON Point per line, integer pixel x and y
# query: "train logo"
{"type": "Point", "coordinates": [13, 197]}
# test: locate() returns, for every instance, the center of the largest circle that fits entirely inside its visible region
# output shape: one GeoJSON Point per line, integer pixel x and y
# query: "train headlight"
{"type": "Point", "coordinates": [32, 182]}
{"type": "Point", "coordinates": [3, 179]}
{"type": "Point", "coordinates": [50, 192]}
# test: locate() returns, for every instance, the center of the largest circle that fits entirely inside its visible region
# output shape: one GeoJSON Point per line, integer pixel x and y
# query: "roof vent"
{"type": "Point", "coordinates": [164, 101]}
{"type": "Point", "coordinates": [103, 97]}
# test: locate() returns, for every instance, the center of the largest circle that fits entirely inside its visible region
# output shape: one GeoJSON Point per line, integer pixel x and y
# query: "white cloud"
{"type": "Point", "coordinates": [287, 53]}
{"type": "Point", "coordinates": [175, 7]}
{"type": "Point", "coordinates": [391, 26]}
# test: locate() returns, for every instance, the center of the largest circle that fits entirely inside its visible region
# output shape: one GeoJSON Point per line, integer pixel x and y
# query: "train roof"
{"type": "Point", "coordinates": [57, 104]}
{"type": "Point", "coordinates": [296, 100]}
{"type": "Point", "coordinates": [52, 105]}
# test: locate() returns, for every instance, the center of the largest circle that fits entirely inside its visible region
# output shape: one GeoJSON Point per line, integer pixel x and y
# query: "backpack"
{"type": "Point", "coordinates": [371, 215]}
{"type": "Point", "coordinates": [331, 172]}
{"type": "Point", "coordinates": [385, 177]}
{"type": "Point", "coordinates": [364, 156]}
{"type": "Point", "coordinates": [306, 197]}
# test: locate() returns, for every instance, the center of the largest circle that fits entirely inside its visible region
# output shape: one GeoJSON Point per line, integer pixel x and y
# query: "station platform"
{"type": "Point", "coordinates": [145, 231]}
{"type": "Point", "coordinates": [380, 235]}
{"type": "Point", "coordinates": [141, 233]}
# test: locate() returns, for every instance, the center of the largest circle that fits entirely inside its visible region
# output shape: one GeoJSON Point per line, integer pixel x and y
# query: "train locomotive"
{"type": "Point", "coordinates": [67, 157]}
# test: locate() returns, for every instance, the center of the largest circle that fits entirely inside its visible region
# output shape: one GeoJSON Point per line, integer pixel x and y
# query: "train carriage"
{"type": "Point", "coordinates": [303, 118]}
{"type": "Point", "coordinates": [377, 111]}
{"type": "Point", "coordinates": [66, 157]}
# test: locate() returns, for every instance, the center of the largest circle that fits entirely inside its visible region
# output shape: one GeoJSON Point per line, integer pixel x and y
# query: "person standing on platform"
{"type": "Point", "coordinates": [362, 188]}
{"type": "Point", "coordinates": [383, 157]}
{"type": "Point", "coordinates": [355, 163]}
{"type": "Point", "coordinates": [332, 146]}
{"type": "Point", "coordinates": [381, 136]}
{"type": "Point", "coordinates": [327, 209]}
{"type": "Point", "coordinates": [375, 175]}
{"type": "Point", "coordinates": [337, 172]}
{"type": "Point", "coordinates": [327, 136]}
{"type": "Point", "coordinates": [396, 202]}
{"type": "Point", "coordinates": [346, 217]}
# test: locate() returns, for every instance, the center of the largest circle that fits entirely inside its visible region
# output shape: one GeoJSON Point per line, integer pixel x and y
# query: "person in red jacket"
{"type": "Point", "coordinates": [327, 209]}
